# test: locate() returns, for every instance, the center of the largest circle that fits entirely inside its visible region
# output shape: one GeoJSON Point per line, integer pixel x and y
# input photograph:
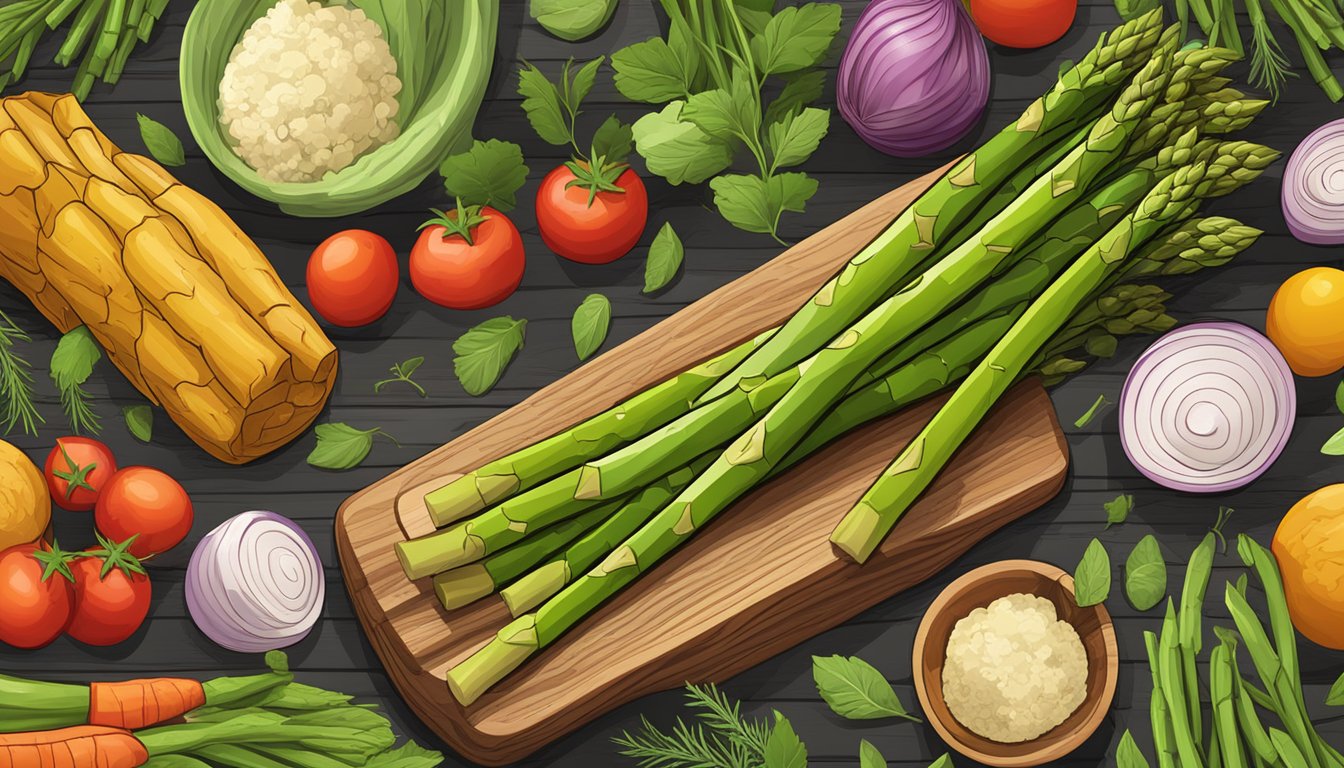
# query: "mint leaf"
{"type": "Point", "coordinates": [613, 140]}
{"type": "Point", "coordinates": [665, 256]}
{"type": "Point", "coordinates": [795, 137]}
{"type": "Point", "coordinates": [1127, 755]}
{"type": "Point", "coordinates": [796, 38]}
{"type": "Point", "coordinates": [485, 351]}
{"type": "Point", "coordinates": [139, 421]}
{"type": "Point", "coordinates": [572, 20]}
{"type": "Point", "coordinates": [490, 173]}
{"type": "Point", "coordinates": [341, 446]}
{"type": "Point", "coordinates": [800, 90]}
{"type": "Point", "coordinates": [1118, 509]}
{"type": "Point", "coordinates": [678, 150]}
{"type": "Point", "coordinates": [1092, 578]}
{"type": "Point", "coordinates": [869, 756]}
{"type": "Point", "coordinates": [1145, 574]}
{"type": "Point", "coordinates": [162, 143]}
{"type": "Point", "coordinates": [652, 72]}
{"type": "Point", "coordinates": [542, 103]}
{"type": "Point", "coordinates": [783, 748]}
{"type": "Point", "coordinates": [590, 324]}
{"type": "Point", "coordinates": [855, 690]}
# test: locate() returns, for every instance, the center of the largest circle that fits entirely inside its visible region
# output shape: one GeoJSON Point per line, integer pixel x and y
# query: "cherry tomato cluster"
{"type": "Point", "coordinates": [472, 257]}
{"type": "Point", "coordinates": [99, 596]}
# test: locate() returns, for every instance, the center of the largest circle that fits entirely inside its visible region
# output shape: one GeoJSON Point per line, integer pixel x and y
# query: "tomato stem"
{"type": "Point", "coordinates": [56, 560]}
{"type": "Point", "coordinates": [460, 222]}
{"type": "Point", "coordinates": [597, 176]}
{"type": "Point", "coordinates": [117, 556]}
{"type": "Point", "coordinates": [77, 477]}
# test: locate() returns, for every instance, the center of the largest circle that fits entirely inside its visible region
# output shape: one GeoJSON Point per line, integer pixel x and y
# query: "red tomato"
{"type": "Point", "coordinates": [453, 273]}
{"type": "Point", "coordinates": [35, 596]}
{"type": "Point", "coordinates": [591, 234]}
{"type": "Point", "coordinates": [147, 504]}
{"type": "Point", "coordinates": [352, 278]}
{"type": "Point", "coordinates": [111, 596]}
{"type": "Point", "coordinates": [1023, 23]}
{"type": "Point", "coordinates": [76, 471]}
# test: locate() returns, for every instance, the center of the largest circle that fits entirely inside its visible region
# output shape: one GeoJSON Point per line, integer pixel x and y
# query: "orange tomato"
{"type": "Point", "coordinates": [1023, 23]}
{"type": "Point", "coordinates": [1309, 545]}
{"type": "Point", "coordinates": [1306, 321]}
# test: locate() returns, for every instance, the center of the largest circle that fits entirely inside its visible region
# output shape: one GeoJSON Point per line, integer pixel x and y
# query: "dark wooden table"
{"type": "Point", "coordinates": [337, 656]}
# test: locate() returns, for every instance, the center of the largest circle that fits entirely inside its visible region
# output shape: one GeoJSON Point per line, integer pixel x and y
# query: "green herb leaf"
{"type": "Point", "coordinates": [1127, 755]}
{"type": "Point", "coordinates": [1091, 413]}
{"type": "Point", "coordinates": [1336, 696]}
{"type": "Point", "coordinates": [784, 749]}
{"type": "Point", "coordinates": [402, 373]}
{"type": "Point", "coordinates": [755, 205]}
{"type": "Point", "coordinates": [581, 84]}
{"type": "Point", "coordinates": [1145, 574]}
{"type": "Point", "coordinates": [1092, 579]}
{"type": "Point", "coordinates": [870, 756]}
{"type": "Point", "coordinates": [665, 256]}
{"type": "Point", "coordinates": [724, 114]}
{"type": "Point", "coordinates": [1335, 445]}
{"type": "Point", "coordinates": [490, 173]}
{"type": "Point", "coordinates": [16, 381]}
{"type": "Point", "coordinates": [801, 89]}
{"type": "Point", "coordinates": [162, 143]}
{"type": "Point", "coordinates": [651, 72]}
{"type": "Point", "coordinates": [71, 365]}
{"type": "Point", "coordinates": [943, 762]}
{"type": "Point", "coordinates": [572, 20]}
{"type": "Point", "coordinates": [855, 690]}
{"type": "Point", "coordinates": [341, 446]}
{"type": "Point", "coordinates": [796, 38]}
{"type": "Point", "coordinates": [613, 141]}
{"type": "Point", "coordinates": [139, 421]}
{"type": "Point", "coordinates": [485, 351]}
{"type": "Point", "coordinates": [678, 150]}
{"type": "Point", "coordinates": [590, 323]}
{"type": "Point", "coordinates": [542, 103]}
{"type": "Point", "coordinates": [1118, 509]}
{"type": "Point", "coordinates": [408, 755]}
{"type": "Point", "coordinates": [795, 137]}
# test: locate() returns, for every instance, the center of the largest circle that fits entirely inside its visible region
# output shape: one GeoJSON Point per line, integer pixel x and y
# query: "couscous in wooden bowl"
{"type": "Point", "coordinates": [978, 589]}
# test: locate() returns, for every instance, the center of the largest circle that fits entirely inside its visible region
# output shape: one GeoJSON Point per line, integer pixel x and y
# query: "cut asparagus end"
{"type": "Point", "coordinates": [463, 586]}
{"type": "Point", "coordinates": [439, 552]}
{"type": "Point", "coordinates": [468, 495]}
{"type": "Point", "coordinates": [504, 653]}
{"type": "Point", "coordinates": [859, 533]}
{"type": "Point", "coordinates": [536, 587]}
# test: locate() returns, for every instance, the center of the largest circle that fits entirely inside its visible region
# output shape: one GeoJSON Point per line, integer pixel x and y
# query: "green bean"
{"type": "Point", "coordinates": [1191, 626]}
{"type": "Point", "coordinates": [1222, 695]}
{"type": "Point", "coordinates": [80, 30]}
{"type": "Point", "coordinates": [1157, 709]}
{"type": "Point", "coordinates": [1173, 689]}
{"type": "Point", "coordinates": [105, 44]}
{"type": "Point", "coordinates": [1287, 749]}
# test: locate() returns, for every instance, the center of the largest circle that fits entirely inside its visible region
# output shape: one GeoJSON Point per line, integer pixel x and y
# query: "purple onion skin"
{"type": "Point", "coordinates": [914, 78]}
{"type": "Point", "coordinates": [1312, 192]}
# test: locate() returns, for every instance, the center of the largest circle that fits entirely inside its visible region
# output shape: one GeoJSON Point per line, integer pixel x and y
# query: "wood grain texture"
{"type": "Point", "coordinates": [762, 581]}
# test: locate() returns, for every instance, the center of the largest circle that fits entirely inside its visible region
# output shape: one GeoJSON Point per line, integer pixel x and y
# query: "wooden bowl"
{"type": "Point", "coordinates": [978, 589]}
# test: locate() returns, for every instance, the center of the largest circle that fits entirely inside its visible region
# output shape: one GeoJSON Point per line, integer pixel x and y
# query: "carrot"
{"type": "Point", "coordinates": [83, 746]}
{"type": "Point", "coordinates": [141, 703]}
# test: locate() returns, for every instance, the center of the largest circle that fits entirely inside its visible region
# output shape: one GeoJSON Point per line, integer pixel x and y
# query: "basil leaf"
{"type": "Point", "coordinates": [678, 150]}
{"type": "Point", "coordinates": [590, 324]}
{"type": "Point", "coordinates": [543, 105]}
{"type": "Point", "coordinates": [613, 141]}
{"type": "Point", "coordinates": [139, 421]}
{"type": "Point", "coordinates": [1339, 396]}
{"type": "Point", "coordinates": [341, 446]}
{"type": "Point", "coordinates": [572, 20]}
{"type": "Point", "coordinates": [755, 205]}
{"type": "Point", "coordinates": [1092, 578]}
{"type": "Point", "coordinates": [801, 89]}
{"type": "Point", "coordinates": [1145, 574]}
{"type": "Point", "coordinates": [783, 748]}
{"type": "Point", "coordinates": [1118, 509]}
{"type": "Point", "coordinates": [485, 351]}
{"type": "Point", "coordinates": [796, 38]}
{"type": "Point", "coordinates": [795, 137]}
{"type": "Point", "coordinates": [665, 256]}
{"type": "Point", "coordinates": [855, 690]}
{"type": "Point", "coordinates": [1127, 755]}
{"type": "Point", "coordinates": [1335, 445]}
{"type": "Point", "coordinates": [162, 143]}
{"type": "Point", "coordinates": [490, 173]}
{"type": "Point", "coordinates": [651, 72]}
{"type": "Point", "coordinates": [870, 756]}
{"type": "Point", "coordinates": [1091, 413]}
{"type": "Point", "coordinates": [1336, 696]}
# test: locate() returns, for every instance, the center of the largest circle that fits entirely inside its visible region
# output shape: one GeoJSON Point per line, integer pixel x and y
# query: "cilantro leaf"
{"type": "Point", "coordinates": [726, 113]}
{"type": "Point", "coordinates": [800, 90]}
{"type": "Point", "coordinates": [755, 204]}
{"type": "Point", "coordinates": [490, 173]}
{"type": "Point", "coordinates": [783, 748]}
{"type": "Point", "coordinates": [665, 256]}
{"type": "Point", "coordinates": [613, 141]}
{"type": "Point", "coordinates": [485, 351]}
{"type": "Point", "coordinates": [651, 72]}
{"type": "Point", "coordinates": [678, 150]}
{"type": "Point", "coordinates": [796, 38]}
{"type": "Point", "coordinates": [542, 103]}
{"type": "Point", "coordinates": [794, 138]}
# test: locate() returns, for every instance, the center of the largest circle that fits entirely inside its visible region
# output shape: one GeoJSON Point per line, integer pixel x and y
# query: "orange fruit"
{"type": "Point", "coordinates": [1309, 546]}
{"type": "Point", "coordinates": [1306, 321]}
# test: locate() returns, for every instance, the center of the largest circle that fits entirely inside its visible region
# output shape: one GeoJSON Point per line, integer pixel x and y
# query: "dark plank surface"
{"type": "Point", "coordinates": [338, 657]}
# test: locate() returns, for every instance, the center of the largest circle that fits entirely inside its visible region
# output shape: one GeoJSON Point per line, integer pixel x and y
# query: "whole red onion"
{"type": "Point", "coordinates": [915, 76]}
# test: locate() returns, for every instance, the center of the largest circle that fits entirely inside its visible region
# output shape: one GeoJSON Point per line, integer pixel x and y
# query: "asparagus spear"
{"type": "Point", "coordinates": [925, 227]}
{"type": "Point", "coordinates": [865, 526]}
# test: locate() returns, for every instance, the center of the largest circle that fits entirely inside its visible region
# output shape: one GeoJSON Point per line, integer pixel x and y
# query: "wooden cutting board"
{"type": "Point", "coordinates": [761, 580]}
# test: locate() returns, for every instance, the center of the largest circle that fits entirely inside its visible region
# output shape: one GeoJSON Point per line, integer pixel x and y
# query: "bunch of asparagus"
{"type": "Point", "coordinates": [1029, 254]}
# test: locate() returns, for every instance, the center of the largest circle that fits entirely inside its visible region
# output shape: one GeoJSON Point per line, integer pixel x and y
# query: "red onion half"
{"type": "Point", "coordinates": [914, 77]}
{"type": "Point", "coordinates": [255, 583]}
{"type": "Point", "coordinates": [1207, 408]}
{"type": "Point", "coordinates": [1313, 187]}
